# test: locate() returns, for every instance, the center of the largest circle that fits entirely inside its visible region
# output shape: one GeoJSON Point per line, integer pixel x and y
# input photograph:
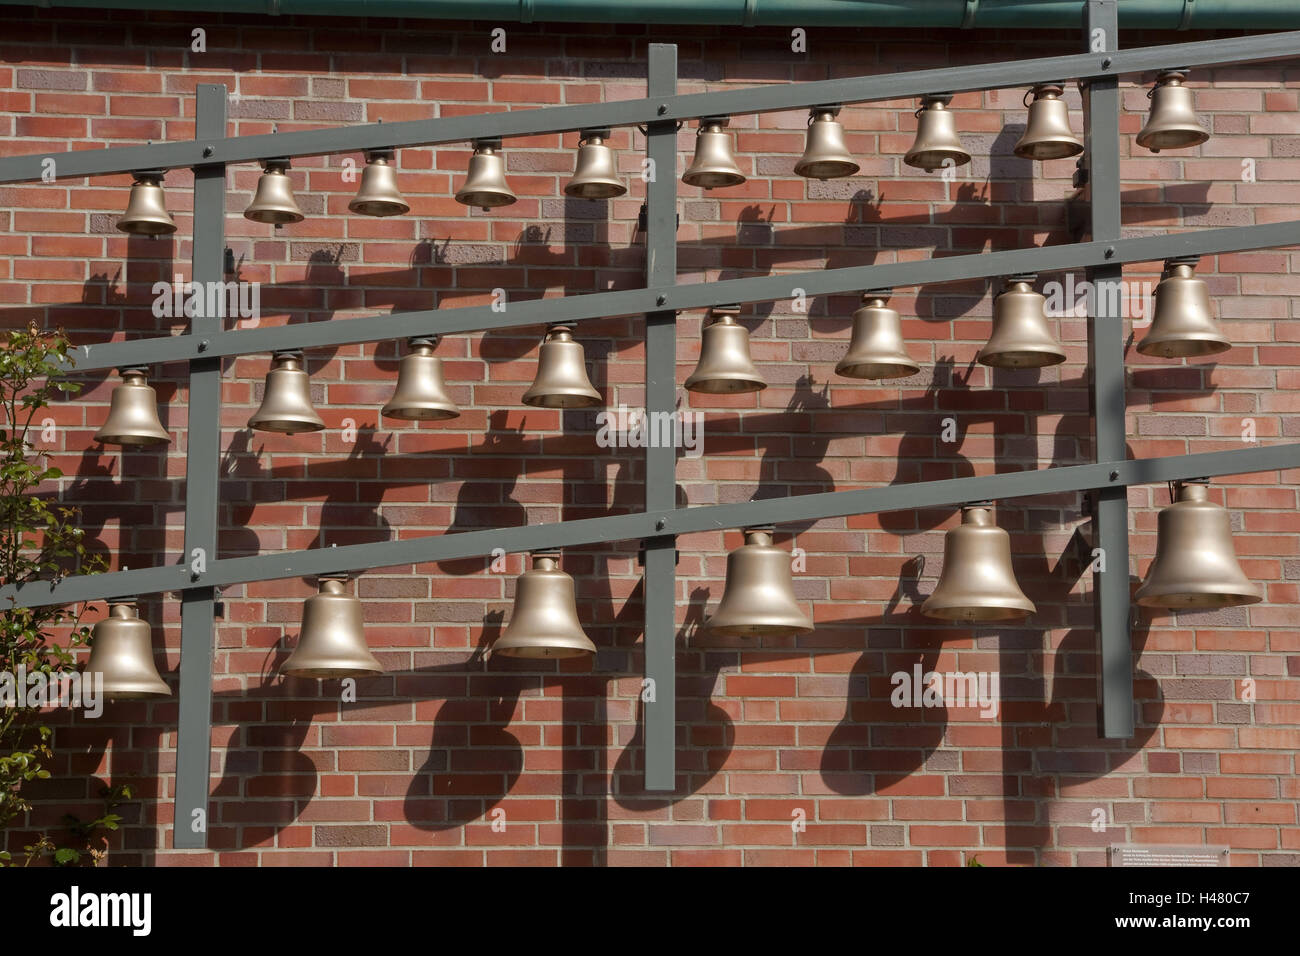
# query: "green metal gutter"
{"type": "Point", "coordinates": [1036, 14]}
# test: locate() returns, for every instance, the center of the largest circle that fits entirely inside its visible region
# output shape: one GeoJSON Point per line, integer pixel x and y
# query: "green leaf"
{"type": "Point", "coordinates": [66, 856]}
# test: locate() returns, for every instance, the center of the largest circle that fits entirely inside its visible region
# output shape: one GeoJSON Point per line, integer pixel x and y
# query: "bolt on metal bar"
{"type": "Point", "coordinates": [576, 308]}
{"type": "Point", "coordinates": [764, 99]}
{"type": "Point", "coordinates": [202, 478]}
{"type": "Point", "coordinates": [660, 583]}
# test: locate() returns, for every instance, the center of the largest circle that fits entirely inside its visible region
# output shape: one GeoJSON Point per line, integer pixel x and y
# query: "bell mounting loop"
{"type": "Point", "coordinates": [933, 99]}
{"type": "Point", "coordinates": [1174, 76]}
{"type": "Point", "coordinates": [420, 341]}
{"type": "Point", "coordinates": [385, 153]}
{"type": "Point", "coordinates": [707, 121]}
{"type": "Point", "coordinates": [152, 176]}
{"type": "Point", "coordinates": [487, 142]}
{"type": "Point", "coordinates": [593, 132]}
{"type": "Point", "coordinates": [1173, 261]}
{"type": "Point", "coordinates": [831, 109]}
{"type": "Point", "coordinates": [882, 293]}
{"type": "Point", "coordinates": [280, 163]}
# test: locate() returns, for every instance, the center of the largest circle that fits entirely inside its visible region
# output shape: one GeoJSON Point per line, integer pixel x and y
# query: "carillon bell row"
{"type": "Point", "coordinates": [1195, 567]}
{"type": "Point", "coordinates": [1021, 337]}
{"type": "Point", "coordinates": [1171, 124]}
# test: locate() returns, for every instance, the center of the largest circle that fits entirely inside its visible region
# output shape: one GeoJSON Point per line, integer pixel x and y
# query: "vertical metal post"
{"type": "Point", "coordinates": [1111, 608]}
{"type": "Point", "coordinates": [202, 476]}
{"type": "Point", "coordinates": [661, 463]}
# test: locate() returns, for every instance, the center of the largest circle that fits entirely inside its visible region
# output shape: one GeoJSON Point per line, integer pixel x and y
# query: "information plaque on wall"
{"type": "Point", "coordinates": [1130, 855]}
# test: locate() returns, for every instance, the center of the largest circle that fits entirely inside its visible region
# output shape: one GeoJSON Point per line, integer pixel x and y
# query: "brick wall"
{"type": "Point", "coordinates": [414, 771]}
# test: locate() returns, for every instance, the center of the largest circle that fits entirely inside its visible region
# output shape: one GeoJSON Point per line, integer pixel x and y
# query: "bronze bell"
{"type": "Point", "coordinates": [758, 599]}
{"type": "Point", "coordinates": [286, 400]}
{"type": "Point", "coordinates": [1047, 135]}
{"type": "Point", "coordinates": [725, 367]}
{"type": "Point", "coordinates": [937, 144]}
{"type": "Point", "coordinates": [421, 395]}
{"type": "Point", "coordinates": [1195, 564]}
{"type": "Point", "coordinates": [826, 156]}
{"type": "Point", "coordinates": [133, 413]}
{"type": "Point", "coordinates": [596, 175]}
{"type": "Point", "coordinates": [332, 642]}
{"type": "Point", "coordinates": [273, 202]}
{"type": "Point", "coordinates": [146, 214]}
{"type": "Point", "coordinates": [485, 183]}
{"type": "Point", "coordinates": [544, 622]}
{"type": "Point", "coordinates": [876, 346]}
{"type": "Point", "coordinates": [1171, 123]}
{"type": "Point", "coordinates": [561, 380]}
{"type": "Point", "coordinates": [378, 195]}
{"type": "Point", "coordinates": [713, 165]}
{"type": "Point", "coordinates": [1022, 335]}
{"type": "Point", "coordinates": [1182, 324]}
{"type": "Point", "coordinates": [121, 649]}
{"type": "Point", "coordinates": [977, 582]}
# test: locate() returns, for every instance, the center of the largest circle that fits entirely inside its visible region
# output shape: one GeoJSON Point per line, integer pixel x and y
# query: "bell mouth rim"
{"type": "Point", "coordinates": [331, 673]}
{"type": "Point", "coordinates": [1200, 600]}
{"type": "Point", "coordinates": [899, 369]}
{"type": "Point", "coordinates": [1185, 137]}
{"type": "Point", "coordinates": [373, 207]}
{"type": "Point", "coordinates": [1050, 149]}
{"type": "Point", "coordinates": [566, 651]}
{"type": "Point", "coordinates": [1048, 356]}
{"type": "Point", "coordinates": [1190, 347]}
{"type": "Point", "coordinates": [133, 440]}
{"type": "Point", "coordinates": [604, 189]}
{"type": "Point", "coordinates": [921, 161]}
{"type": "Point", "coordinates": [724, 386]}
{"type": "Point", "coordinates": [275, 219]}
{"type": "Point", "coordinates": [416, 413]}
{"type": "Point", "coordinates": [282, 426]}
{"type": "Point", "coordinates": [153, 228]}
{"type": "Point", "coordinates": [827, 169]}
{"type": "Point", "coordinates": [485, 200]}
{"type": "Point", "coordinates": [714, 180]}
{"type": "Point", "coordinates": [563, 400]}
{"type": "Point", "coordinates": [998, 612]}
{"type": "Point", "coordinates": [758, 630]}
{"type": "Point", "coordinates": [140, 693]}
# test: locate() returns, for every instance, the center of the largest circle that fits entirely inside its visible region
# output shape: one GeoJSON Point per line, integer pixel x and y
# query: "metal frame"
{"type": "Point", "coordinates": [201, 571]}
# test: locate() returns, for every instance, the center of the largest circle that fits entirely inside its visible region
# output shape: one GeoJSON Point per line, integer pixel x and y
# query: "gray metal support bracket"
{"type": "Point", "coordinates": [660, 703]}
{"type": "Point", "coordinates": [202, 477]}
{"type": "Point", "coordinates": [1112, 609]}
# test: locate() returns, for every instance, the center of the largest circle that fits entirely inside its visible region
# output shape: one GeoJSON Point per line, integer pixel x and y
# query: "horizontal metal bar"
{"type": "Point", "coordinates": [588, 531]}
{"type": "Point", "coordinates": [596, 305]}
{"type": "Point", "coordinates": [760, 99]}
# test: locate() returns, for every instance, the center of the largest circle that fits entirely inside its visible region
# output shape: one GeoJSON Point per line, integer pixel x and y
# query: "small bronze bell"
{"type": "Point", "coordinates": [596, 175]}
{"type": "Point", "coordinates": [146, 214]}
{"type": "Point", "coordinates": [332, 642]}
{"type": "Point", "coordinates": [713, 165]}
{"type": "Point", "coordinates": [826, 156]}
{"type": "Point", "coordinates": [561, 380]}
{"type": "Point", "coordinates": [937, 144]}
{"type": "Point", "coordinates": [121, 649]}
{"type": "Point", "coordinates": [1195, 564]}
{"type": "Point", "coordinates": [1171, 123]}
{"type": "Point", "coordinates": [725, 367]}
{"type": "Point", "coordinates": [1022, 335]}
{"type": "Point", "coordinates": [876, 346]}
{"type": "Point", "coordinates": [977, 582]}
{"type": "Point", "coordinates": [421, 395]}
{"type": "Point", "coordinates": [1047, 135]}
{"type": "Point", "coordinates": [1182, 325]}
{"type": "Point", "coordinates": [544, 622]}
{"type": "Point", "coordinates": [273, 202]}
{"type": "Point", "coordinates": [378, 195]}
{"type": "Point", "coordinates": [758, 598]}
{"type": "Point", "coordinates": [286, 399]}
{"type": "Point", "coordinates": [133, 413]}
{"type": "Point", "coordinates": [485, 183]}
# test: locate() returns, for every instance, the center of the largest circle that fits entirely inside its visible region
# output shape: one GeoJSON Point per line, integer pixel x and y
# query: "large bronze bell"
{"type": "Point", "coordinates": [378, 194]}
{"type": "Point", "coordinates": [596, 175]}
{"type": "Point", "coordinates": [544, 622]}
{"type": "Point", "coordinates": [937, 144]}
{"type": "Point", "coordinates": [1022, 334]}
{"type": "Point", "coordinates": [758, 599]}
{"type": "Point", "coordinates": [725, 367]}
{"type": "Point", "coordinates": [1171, 124]}
{"type": "Point", "coordinates": [133, 413]}
{"type": "Point", "coordinates": [485, 183]}
{"type": "Point", "coordinates": [826, 156]}
{"type": "Point", "coordinates": [1182, 324]}
{"type": "Point", "coordinates": [713, 165]}
{"type": "Point", "coordinates": [421, 395]}
{"type": "Point", "coordinates": [121, 649]}
{"type": "Point", "coordinates": [146, 214]}
{"type": "Point", "coordinates": [876, 347]}
{"type": "Point", "coordinates": [273, 202]}
{"type": "Point", "coordinates": [286, 399]}
{"type": "Point", "coordinates": [1047, 135]}
{"type": "Point", "coordinates": [332, 642]}
{"type": "Point", "coordinates": [1195, 564]}
{"type": "Point", "coordinates": [977, 582]}
{"type": "Point", "coordinates": [561, 380]}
